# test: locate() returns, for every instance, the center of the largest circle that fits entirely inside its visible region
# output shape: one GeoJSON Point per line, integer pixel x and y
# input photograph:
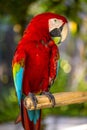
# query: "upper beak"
{"type": "Point", "coordinates": [64, 32]}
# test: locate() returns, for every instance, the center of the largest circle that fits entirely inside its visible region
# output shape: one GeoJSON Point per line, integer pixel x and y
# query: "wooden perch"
{"type": "Point", "coordinates": [61, 99]}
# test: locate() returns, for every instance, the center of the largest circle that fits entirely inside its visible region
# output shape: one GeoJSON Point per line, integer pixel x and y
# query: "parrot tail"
{"type": "Point", "coordinates": [30, 119]}
{"type": "Point", "coordinates": [18, 119]}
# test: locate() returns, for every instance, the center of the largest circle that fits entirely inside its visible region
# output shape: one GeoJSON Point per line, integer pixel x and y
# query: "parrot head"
{"type": "Point", "coordinates": [58, 29]}
{"type": "Point", "coordinates": [48, 26]}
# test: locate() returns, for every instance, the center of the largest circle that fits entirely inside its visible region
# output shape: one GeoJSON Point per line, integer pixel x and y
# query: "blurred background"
{"type": "Point", "coordinates": [72, 75]}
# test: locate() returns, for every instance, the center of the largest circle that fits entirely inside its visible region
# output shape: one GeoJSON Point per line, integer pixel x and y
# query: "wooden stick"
{"type": "Point", "coordinates": [61, 99]}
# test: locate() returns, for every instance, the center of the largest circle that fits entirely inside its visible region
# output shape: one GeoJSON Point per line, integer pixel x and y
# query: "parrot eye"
{"type": "Point", "coordinates": [55, 20]}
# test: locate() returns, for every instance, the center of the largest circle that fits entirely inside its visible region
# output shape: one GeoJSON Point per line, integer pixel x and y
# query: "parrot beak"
{"type": "Point", "coordinates": [59, 34]}
{"type": "Point", "coordinates": [64, 32]}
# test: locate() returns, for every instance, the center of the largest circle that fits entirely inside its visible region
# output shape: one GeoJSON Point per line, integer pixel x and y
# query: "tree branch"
{"type": "Point", "coordinates": [61, 99]}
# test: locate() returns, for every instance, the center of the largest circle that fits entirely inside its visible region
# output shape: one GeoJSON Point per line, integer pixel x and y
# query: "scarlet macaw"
{"type": "Point", "coordinates": [35, 63]}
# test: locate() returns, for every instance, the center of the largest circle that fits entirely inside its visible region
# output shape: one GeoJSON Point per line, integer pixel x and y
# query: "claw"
{"type": "Point", "coordinates": [50, 97]}
{"type": "Point", "coordinates": [34, 99]}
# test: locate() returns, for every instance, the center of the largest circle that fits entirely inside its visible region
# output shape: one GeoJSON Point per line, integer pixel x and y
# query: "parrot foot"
{"type": "Point", "coordinates": [50, 97]}
{"type": "Point", "coordinates": [34, 99]}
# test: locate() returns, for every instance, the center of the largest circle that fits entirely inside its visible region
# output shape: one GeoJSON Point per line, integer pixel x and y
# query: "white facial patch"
{"type": "Point", "coordinates": [54, 23]}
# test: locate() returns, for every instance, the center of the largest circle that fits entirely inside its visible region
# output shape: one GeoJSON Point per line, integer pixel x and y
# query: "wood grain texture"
{"type": "Point", "coordinates": [61, 99]}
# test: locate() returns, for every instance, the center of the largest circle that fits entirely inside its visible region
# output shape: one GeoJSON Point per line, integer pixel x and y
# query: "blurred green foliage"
{"type": "Point", "coordinates": [22, 11]}
{"type": "Point", "coordinates": [8, 105]}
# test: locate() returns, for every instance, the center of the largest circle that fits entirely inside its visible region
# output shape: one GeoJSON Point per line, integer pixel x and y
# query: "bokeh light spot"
{"type": "Point", "coordinates": [65, 66]}
{"type": "Point", "coordinates": [73, 27]}
{"type": "Point", "coordinates": [17, 28]}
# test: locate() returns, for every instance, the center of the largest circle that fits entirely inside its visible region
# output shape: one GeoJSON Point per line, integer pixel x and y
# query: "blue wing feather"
{"type": "Point", "coordinates": [18, 78]}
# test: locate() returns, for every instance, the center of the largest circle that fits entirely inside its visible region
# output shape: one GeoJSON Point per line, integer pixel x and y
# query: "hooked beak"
{"type": "Point", "coordinates": [59, 34]}
{"type": "Point", "coordinates": [56, 32]}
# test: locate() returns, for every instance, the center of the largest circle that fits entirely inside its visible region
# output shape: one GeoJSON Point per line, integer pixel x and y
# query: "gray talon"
{"type": "Point", "coordinates": [50, 97]}
{"type": "Point", "coordinates": [34, 99]}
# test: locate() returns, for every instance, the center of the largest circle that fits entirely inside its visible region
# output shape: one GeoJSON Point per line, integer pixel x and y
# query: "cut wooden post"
{"type": "Point", "coordinates": [61, 99]}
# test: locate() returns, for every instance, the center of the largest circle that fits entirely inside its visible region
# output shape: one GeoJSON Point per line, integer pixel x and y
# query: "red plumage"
{"type": "Point", "coordinates": [38, 55]}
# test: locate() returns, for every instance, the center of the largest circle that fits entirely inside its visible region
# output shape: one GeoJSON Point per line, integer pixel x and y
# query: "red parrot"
{"type": "Point", "coordinates": [35, 63]}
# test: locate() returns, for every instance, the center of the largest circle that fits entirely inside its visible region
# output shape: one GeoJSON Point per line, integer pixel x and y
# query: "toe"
{"type": "Point", "coordinates": [34, 99]}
